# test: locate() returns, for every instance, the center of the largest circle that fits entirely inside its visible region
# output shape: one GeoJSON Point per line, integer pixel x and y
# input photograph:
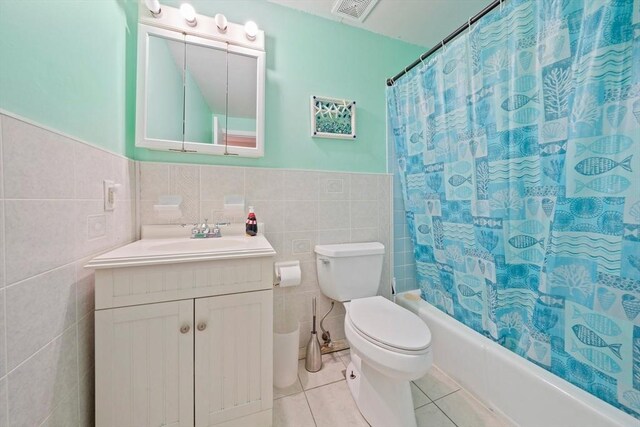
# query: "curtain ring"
{"type": "Point", "coordinates": [469, 24]}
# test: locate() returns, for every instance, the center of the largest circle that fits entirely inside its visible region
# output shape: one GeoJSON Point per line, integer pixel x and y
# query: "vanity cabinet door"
{"type": "Point", "coordinates": [144, 365]}
{"type": "Point", "coordinates": [234, 359]}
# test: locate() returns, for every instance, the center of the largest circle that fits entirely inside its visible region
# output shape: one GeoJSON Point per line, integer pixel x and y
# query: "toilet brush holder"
{"type": "Point", "coordinates": [313, 358]}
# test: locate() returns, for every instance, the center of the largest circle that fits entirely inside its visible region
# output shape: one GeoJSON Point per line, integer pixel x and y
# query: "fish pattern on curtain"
{"type": "Point", "coordinates": [518, 146]}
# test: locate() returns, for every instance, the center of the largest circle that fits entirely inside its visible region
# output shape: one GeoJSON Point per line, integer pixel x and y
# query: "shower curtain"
{"type": "Point", "coordinates": [518, 146]}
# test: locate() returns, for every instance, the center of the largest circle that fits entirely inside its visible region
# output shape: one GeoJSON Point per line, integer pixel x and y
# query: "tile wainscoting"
{"type": "Point", "coordinates": [300, 209]}
{"type": "Point", "coordinates": [51, 222]}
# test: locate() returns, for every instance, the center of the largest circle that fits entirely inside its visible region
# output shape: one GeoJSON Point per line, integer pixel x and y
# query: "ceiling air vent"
{"type": "Point", "coordinates": [354, 10]}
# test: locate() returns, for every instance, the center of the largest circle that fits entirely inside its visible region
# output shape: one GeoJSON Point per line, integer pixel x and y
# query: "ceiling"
{"type": "Point", "coordinates": [421, 22]}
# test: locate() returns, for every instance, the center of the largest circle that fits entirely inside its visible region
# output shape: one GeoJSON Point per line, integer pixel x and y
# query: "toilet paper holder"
{"type": "Point", "coordinates": [283, 264]}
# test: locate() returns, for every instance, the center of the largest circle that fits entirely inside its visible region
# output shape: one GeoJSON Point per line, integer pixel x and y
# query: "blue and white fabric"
{"type": "Point", "coordinates": [518, 146]}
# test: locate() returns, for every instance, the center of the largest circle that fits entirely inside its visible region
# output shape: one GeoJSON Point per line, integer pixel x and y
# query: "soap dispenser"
{"type": "Point", "coordinates": [251, 224]}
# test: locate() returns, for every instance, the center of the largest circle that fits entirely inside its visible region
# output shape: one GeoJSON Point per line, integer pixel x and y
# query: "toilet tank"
{"type": "Point", "coordinates": [350, 270]}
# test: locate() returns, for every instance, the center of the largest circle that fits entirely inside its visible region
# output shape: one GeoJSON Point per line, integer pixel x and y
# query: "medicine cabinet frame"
{"type": "Point", "coordinates": [172, 28]}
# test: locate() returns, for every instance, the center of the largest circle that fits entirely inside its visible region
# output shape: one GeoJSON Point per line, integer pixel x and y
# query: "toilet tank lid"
{"type": "Point", "coordinates": [350, 249]}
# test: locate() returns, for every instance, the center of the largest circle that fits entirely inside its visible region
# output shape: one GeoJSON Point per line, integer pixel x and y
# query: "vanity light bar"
{"type": "Point", "coordinates": [186, 20]}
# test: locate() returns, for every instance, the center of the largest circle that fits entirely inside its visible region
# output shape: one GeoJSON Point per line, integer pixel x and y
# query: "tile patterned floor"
{"type": "Point", "coordinates": [323, 399]}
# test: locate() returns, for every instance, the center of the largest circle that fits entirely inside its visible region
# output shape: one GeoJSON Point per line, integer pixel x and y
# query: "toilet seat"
{"type": "Point", "coordinates": [389, 326]}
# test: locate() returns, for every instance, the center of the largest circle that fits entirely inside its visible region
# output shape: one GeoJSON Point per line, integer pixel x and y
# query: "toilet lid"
{"type": "Point", "coordinates": [389, 324]}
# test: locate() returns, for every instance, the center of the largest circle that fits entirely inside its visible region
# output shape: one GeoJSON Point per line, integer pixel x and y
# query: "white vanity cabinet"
{"type": "Point", "coordinates": [176, 346]}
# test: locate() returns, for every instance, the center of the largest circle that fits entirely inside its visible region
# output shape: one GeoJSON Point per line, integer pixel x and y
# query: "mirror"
{"type": "Point", "coordinates": [199, 95]}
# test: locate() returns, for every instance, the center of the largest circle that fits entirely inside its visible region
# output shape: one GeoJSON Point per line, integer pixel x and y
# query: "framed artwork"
{"type": "Point", "coordinates": [333, 118]}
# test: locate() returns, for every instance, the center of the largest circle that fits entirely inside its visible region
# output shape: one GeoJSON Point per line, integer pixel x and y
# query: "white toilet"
{"type": "Point", "coordinates": [390, 346]}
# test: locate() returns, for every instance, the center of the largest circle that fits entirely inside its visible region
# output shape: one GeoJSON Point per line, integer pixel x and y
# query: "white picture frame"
{"type": "Point", "coordinates": [332, 118]}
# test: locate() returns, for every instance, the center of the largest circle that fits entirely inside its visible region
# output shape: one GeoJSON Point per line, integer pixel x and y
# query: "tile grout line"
{"type": "Point", "coordinates": [441, 410]}
{"type": "Point", "coordinates": [304, 392]}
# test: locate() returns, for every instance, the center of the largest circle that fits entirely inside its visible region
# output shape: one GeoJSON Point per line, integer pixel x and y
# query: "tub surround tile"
{"type": "Point", "coordinates": [332, 371]}
{"type": "Point", "coordinates": [436, 384]}
{"type": "Point", "coordinates": [292, 411]}
{"type": "Point", "coordinates": [431, 416]}
{"type": "Point", "coordinates": [39, 309]}
{"type": "Point", "coordinates": [33, 160]}
{"type": "Point", "coordinates": [465, 411]}
{"type": "Point", "coordinates": [332, 405]}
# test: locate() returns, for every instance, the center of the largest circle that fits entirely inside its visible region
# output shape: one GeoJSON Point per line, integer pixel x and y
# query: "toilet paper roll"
{"type": "Point", "coordinates": [289, 274]}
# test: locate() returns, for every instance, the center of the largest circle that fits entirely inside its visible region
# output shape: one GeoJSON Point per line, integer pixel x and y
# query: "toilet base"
{"type": "Point", "coordinates": [382, 400]}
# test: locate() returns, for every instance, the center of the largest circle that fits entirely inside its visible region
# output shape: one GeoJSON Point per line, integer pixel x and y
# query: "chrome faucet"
{"type": "Point", "coordinates": [204, 231]}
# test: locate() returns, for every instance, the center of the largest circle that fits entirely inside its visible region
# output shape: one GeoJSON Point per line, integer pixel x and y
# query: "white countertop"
{"type": "Point", "coordinates": [169, 250]}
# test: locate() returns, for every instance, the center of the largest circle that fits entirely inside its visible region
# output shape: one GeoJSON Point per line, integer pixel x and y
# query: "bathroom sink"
{"type": "Point", "coordinates": [172, 245]}
{"type": "Point", "coordinates": [199, 245]}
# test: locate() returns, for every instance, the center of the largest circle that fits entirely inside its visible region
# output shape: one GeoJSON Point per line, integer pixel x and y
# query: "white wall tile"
{"type": "Point", "coordinates": [364, 214]}
{"type": "Point", "coordinates": [49, 292]}
{"type": "Point", "coordinates": [184, 180]}
{"type": "Point", "coordinates": [364, 186]}
{"type": "Point", "coordinates": [264, 185]}
{"type": "Point", "coordinates": [220, 181]}
{"type": "Point", "coordinates": [85, 288]}
{"type": "Point", "coordinates": [301, 215]}
{"type": "Point", "coordinates": [2, 250]}
{"type": "Point", "coordinates": [39, 309]}
{"type": "Point", "coordinates": [39, 236]}
{"type": "Point", "coordinates": [154, 180]}
{"type": "Point", "coordinates": [334, 186]}
{"type": "Point", "coordinates": [87, 400]}
{"type": "Point", "coordinates": [66, 413]}
{"type": "Point", "coordinates": [93, 166]}
{"type": "Point", "coordinates": [86, 339]}
{"type": "Point", "coordinates": [3, 338]}
{"type": "Point", "coordinates": [4, 420]}
{"type": "Point", "coordinates": [93, 227]}
{"type": "Point", "coordinates": [37, 164]}
{"type": "Point", "coordinates": [301, 185]}
{"type": "Point", "coordinates": [40, 384]}
{"type": "Point", "coordinates": [334, 214]}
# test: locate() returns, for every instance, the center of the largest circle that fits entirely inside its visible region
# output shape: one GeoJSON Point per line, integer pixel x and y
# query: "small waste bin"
{"type": "Point", "coordinates": [286, 336]}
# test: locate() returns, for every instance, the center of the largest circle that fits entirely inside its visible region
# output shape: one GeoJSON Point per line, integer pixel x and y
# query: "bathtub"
{"type": "Point", "coordinates": [506, 383]}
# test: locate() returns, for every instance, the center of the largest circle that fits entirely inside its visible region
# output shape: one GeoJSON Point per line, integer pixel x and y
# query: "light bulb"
{"type": "Point", "coordinates": [189, 14]}
{"type": "Point", "coordinates": [221, 22]}
{"type": "Point", "coordinates": [154, 7]}
{"type": "Point", "coordinates": [251, 29]}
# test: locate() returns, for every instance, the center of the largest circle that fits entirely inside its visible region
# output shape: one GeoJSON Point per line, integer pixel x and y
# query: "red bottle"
{"type": "Point", "coordinates": [251, 223]}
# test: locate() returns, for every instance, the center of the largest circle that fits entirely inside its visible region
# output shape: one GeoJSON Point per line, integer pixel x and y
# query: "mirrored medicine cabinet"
{"type": "Point", "coordinates": [197, 94]}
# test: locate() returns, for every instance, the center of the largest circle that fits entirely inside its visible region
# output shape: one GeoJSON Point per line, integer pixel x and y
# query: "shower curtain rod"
{"type": "Point", "coordinates": [472, 20]}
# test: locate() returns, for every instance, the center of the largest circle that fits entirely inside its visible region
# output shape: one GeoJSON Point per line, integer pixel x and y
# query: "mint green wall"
{"type": "Point", "coordinates": [307, 55]}
{"type": "Point", "coordinates": [71, 65]}
{"type": "Point", "coordinates": [66, 64]}
{"type": "Point", "coordinates": [165, 92]}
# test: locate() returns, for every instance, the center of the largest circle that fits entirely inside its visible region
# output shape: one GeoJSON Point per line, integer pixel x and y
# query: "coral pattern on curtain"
{"type": "Point", "coordinates": [519, 152]}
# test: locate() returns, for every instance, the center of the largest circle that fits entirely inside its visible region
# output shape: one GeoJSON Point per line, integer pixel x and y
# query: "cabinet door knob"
{"type": "Point", "coordinates": [202, 326]}
{"type": "Point", "coordinates": [184, 329]}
